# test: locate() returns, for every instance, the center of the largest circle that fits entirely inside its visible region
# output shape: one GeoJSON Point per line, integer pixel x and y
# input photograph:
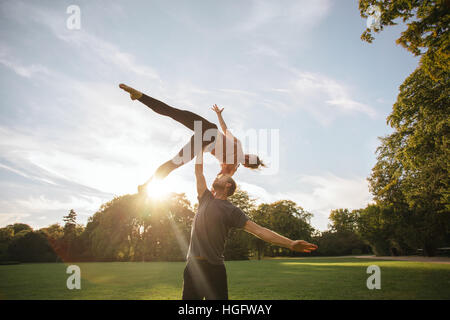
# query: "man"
{"type": "Point", "coordinates": [205, 275]}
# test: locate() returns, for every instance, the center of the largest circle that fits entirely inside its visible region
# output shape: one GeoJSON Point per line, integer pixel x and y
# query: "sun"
{"type": "Point", "coordinates": [160, 189]}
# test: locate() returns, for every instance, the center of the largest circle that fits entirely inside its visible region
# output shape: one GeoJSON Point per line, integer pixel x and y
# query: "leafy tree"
{"type": "Point", "coordinates": [343, 237]}
{"type": "Point", "coordinates": [18, 227]}
{"type": "Point", "coordinates": [284, 217]}
{"type": "Point", "coordinates": [239, 242]}
{"type": "Point", "coordinates": [411, 173]}
{"type": "Point", "coordinates": [339, 243]}
{"type": "Point", "coordinates": [388, 230]}
{"type": "Point", "coordinates": [136, 228]}
{"type": "Point", "coordinates": [31, 246]}
{"type": "Point", "coordinates": [55, 237]}
{"type": "Point", "coordinates": [70, 222]}
{"type": "Point", "coordinates": [343, 220]}
{"type": "Point", "coordinates": [6, 236]}
{"type": "Point", "coordinates": [71, 231]}
{"type": "Point", "coordinates": [427, 33]}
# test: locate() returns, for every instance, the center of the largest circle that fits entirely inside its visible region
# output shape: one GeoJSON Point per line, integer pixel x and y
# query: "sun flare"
{"type": "Point", "coordinates": [160, 189]}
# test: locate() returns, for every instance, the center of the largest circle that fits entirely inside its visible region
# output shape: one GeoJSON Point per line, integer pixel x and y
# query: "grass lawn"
{"type": "Point", "coordinates": [307, 278]}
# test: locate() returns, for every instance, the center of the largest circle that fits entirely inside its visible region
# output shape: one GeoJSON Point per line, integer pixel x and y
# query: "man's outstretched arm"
{"type": "Point", "coordinates": [201, 182]}
{"type": "Point", "coordinates": [277, 239]}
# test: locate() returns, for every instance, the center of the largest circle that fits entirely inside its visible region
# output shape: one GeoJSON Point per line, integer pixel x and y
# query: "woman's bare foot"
{"type": "Point", "coordinates": [143, 187]}
{"type": "Point", "coordinates": [134, 94]}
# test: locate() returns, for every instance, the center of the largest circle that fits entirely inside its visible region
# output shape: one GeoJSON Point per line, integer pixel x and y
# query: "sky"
{"type": "Point", "coordinates": [296, 73]}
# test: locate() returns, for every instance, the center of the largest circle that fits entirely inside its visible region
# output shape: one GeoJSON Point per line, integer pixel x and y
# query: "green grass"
{"type": "Point", "coordinates": [310, 278]}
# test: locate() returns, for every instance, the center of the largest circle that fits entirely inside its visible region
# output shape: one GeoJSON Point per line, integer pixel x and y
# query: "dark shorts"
{"type": "Point", "coordinates": [204, 280]}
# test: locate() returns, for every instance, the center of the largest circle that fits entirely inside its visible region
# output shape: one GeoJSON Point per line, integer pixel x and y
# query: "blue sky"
{"type": "Point", "coordinates": [69, 138]}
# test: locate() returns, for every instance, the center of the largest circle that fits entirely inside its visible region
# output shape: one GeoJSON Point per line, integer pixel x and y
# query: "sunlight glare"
{"type": "Point", "coordinates": [159, 189]}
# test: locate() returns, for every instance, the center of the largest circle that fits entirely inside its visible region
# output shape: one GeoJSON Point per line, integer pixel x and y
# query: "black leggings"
{"type": "Point", "coordinates": [187, 119]}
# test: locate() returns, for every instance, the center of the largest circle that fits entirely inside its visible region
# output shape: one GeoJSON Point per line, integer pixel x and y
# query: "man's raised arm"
{"type": "Point", "coordinates": [274, 238]}
{"type": "Point", "coordinates": [201, 182]}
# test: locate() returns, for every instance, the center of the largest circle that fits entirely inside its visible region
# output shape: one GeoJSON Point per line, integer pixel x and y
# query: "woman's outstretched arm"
{"type": "Point", "coordinates": [221, 121]}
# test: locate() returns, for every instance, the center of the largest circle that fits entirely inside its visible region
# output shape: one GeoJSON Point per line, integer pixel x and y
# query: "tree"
{"type": "Point", "coordinates": [388, 230]}
{"type": "Point", "coordinates": [18, 227]}
{"type": "Point", "coordinates": [55, 237]}
{"type": "Point", "coordinates": [286, 218]}
{"type": "Point", "coordinates": [343, 220]}
{"type": "Point", "coordinates": [31, 246]}
{"type": "Point", "coordinates": [239, 242]}
{"type": "Point", "coordinates": [6, 236]}
{"type": "Point", "coordinates": [136, 228]}
{"type": "Point", "coordinates": [70, 235]}
{"type": "Point", "coordinates": [411, 173]}
{"type": "Point", "coordinates": [339, 243]}
{"type": "Point", "coordinates": [70, 221]}
{"type": "Point", "coordinates": [343, 237]}
{"type": "Point", "coordinates": [427, 33]}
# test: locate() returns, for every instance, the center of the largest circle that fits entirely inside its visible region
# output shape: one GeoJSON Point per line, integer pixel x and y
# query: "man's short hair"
{"type": "Point", "coordinates": [232, 189]}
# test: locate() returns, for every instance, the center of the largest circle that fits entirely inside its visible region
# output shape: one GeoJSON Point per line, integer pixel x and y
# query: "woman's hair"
{"type": "Point", "coordinates": [252, 161]}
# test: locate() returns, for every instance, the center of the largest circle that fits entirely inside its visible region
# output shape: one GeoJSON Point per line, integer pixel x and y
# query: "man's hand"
{"type": "Point", "coordinates": [134, 94]}
{"type": "Point", "coordinates": [216, 109]}
{"type": "Point", "coordinates": [302, 246]}
{"type": "Point", "coordinates": [275, 238]}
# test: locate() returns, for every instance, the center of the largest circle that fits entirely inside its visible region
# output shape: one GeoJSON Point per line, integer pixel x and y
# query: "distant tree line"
{"type": "Point", "coordinates": [137, 228]}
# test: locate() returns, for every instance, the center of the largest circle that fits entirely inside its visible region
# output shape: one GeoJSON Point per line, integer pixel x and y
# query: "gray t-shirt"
{"type": "Point", "coordinates": [210, 227]}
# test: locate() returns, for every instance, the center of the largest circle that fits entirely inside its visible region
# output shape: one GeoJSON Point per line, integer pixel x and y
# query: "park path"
{"type": "Point", "coordinates": [444, 260]}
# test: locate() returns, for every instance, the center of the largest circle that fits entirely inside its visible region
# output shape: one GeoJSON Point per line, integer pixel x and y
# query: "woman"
{"type": "Point", "coordinates": [224, 146]}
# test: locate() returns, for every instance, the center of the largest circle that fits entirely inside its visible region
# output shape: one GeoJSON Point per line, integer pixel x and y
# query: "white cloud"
{"type": "Point", "coordinates": [43, 204]}
{"type": "Point", "coordinates": [324, 97]}
{"type": "Point", "coordinates": [264, 50]}
{"type": "Point", "coordinates": [22, 70]}
{"type": "Point", "coordinates": [302, 13]}
{"type": "Point", "coordinates": [10, 218]}
{"type": "Point", "coordinates": [93, 48]}
{"type": "Point", "coordinates": [26, 175]}
{"type": "Point", "coordinates": [319, 195]}
{"type": "Point", "coordinates": [259, 193]}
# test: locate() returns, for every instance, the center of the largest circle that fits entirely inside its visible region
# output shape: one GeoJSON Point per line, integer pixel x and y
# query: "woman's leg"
{"type": "Point", "coordinates": [185, 155]}
{"type": "Point", "coordinates": [184, 117]}
{"type": "Point", "coordinates": [187, 118]}
{"type": "Point", "coordinates": [166, 168]}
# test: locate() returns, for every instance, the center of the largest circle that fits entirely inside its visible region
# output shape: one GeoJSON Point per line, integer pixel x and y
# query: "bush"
{"type": "Point", "coordinates": [339, 244]}
{"type": "Point", "coordinates": [4, 263]}
{"type": "Point", "coordinates": [237, 246]}
{"type": "Point", "coordinates": [31, 246]}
